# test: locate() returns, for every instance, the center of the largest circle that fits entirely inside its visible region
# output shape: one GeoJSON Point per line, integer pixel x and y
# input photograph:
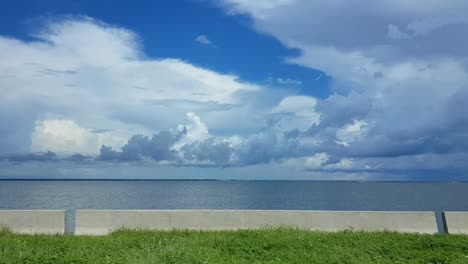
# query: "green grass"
{"type": "Point", "coordinates": [259, 246]}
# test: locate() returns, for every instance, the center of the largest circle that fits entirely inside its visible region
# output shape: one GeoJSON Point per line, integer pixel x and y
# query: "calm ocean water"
{"type": "Point", "coordinates": [291, 195]}
{"type": "Point", "coordinates": [288, 195]}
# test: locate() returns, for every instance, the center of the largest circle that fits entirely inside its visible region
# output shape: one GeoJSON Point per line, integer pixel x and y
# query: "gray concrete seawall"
{"type": "Point", "coordinates": [101, 222]}
{"type": "Point", "coordinates": [33, 221]}
{"type": "Point", "coordinates": [455, 222]}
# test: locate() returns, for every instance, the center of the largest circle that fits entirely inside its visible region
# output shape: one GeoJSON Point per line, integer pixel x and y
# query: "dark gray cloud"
{"type": "Point", "coordinates": [211, 149]}
{"type": "Point", "coordinates": [337, 110]}
{"type": "Point", "coordinates": [214, 151]}
{"type": "Point", "coordinates": [48, 156]}
{"type": "Point", "coordinates": [158, 148]}
{"type": "Point", "coordinates": [79, 158]}
{"type": "Point", "coordinates": [19, 158]}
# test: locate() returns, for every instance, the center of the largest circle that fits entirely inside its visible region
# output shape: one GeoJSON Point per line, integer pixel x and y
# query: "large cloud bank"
{"type": "Point", "coordinates": [400, 71]}
{"type": "Point", "coordinates": [85, 90]}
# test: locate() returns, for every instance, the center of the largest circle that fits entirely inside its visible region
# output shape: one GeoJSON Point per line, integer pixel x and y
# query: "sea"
{"type": "Point", "coordinates": [209, 194]}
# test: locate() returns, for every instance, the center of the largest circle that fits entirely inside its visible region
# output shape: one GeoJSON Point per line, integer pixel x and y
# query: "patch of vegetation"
{"type": "Point", "coordinates": [247, 246]}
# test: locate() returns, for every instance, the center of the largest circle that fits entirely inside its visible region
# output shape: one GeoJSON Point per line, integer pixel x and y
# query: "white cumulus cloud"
{"type": "Point", "coordinates": [203, 39]}
{"type": "Point", "coordinates": [95, 75]}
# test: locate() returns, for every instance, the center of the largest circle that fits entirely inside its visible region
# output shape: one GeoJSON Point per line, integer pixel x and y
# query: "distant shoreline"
{"type": "Point", "coordinates": [224, 180]}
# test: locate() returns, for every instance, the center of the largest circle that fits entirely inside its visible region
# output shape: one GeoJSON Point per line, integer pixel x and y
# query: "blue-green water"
{"type": "Point", "coordinates": [289, 195]}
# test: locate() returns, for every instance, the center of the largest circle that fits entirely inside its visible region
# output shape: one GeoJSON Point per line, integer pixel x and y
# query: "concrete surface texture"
{"type": "Point", "coordinates": [33, 221]}
{"type": "Point", "coordinates": [100, 222]}
{"type": "Point", "coordinates": [456, 222]}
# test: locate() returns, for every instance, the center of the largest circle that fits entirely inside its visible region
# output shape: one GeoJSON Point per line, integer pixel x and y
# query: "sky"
{"type": "Point", "coordinates": [234, 89]}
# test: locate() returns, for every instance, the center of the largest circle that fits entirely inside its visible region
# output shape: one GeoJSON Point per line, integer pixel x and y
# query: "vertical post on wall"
{"type": "Point", "coordinates": [444, 222]}
{"type": "Point", "coordinates": [70, 217]}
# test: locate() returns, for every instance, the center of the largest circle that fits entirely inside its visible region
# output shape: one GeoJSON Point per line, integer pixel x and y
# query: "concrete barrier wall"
{"type": "Point", "coordinates": [408, 222]}
{"type": "Point", "coordinates": [33, 221]}
{"type": "Point", "coordinates": [100, 222]}
{"type": "Point", "coordinates": [456, 222]}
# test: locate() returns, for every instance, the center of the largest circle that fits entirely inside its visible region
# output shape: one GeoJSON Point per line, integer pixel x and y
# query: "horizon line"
{"type": "Point", "coordinates": [208, 179]}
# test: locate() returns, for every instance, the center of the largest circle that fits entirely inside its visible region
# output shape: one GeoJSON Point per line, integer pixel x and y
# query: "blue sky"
{"type": "Point", "coordinates": [282, 89]}
{"type": "Point", "coordinates": [169, 28]}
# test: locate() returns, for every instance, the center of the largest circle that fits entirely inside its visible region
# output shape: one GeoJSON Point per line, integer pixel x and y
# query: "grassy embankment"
{"type": "Point", "coordinates": [259, 246]}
